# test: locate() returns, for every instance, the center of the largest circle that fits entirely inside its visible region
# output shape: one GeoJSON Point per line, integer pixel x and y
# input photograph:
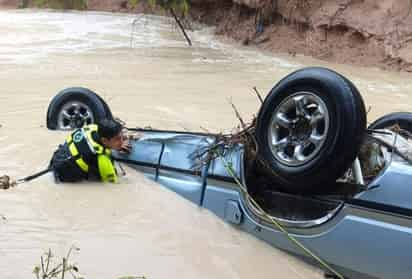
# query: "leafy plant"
{"type": "Point", "coordinates": [40, 3]}
{"type": "Point", "coordinates": [133, 3]}
{"type": "Point", "coordinates": [62, 4]}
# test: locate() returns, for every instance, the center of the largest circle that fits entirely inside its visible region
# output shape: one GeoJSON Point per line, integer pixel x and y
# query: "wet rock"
{"type": "Point", "coordinates": [405, 53]}
{"type": "Point", "coordinates": [408, 68]}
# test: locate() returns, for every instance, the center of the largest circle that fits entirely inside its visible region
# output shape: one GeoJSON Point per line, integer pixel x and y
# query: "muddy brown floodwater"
{"type": "Point", "coordinates": [149, 77]}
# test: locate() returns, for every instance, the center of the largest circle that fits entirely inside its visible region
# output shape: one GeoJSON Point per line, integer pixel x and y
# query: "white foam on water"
{"type": "Point", "coordinates": [28, 35]}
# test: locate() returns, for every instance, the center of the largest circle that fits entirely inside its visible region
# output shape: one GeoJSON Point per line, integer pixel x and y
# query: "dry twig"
{"type": "Point", "coordinates": [258, 94]}
{"type": "Point", "coordinates": [237, 114]}
{"type": "Point", "coordinates": [59, 270]}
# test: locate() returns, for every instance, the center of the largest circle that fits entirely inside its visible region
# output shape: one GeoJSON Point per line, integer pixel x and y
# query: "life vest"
{"type": "Point", "coordinates": [89, 155]}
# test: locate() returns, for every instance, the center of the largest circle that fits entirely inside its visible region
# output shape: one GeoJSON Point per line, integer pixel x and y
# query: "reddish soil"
{"type": "Point", "coordinates": [360, 32]}
{"type": "Point", "coordinates": [9, 4]}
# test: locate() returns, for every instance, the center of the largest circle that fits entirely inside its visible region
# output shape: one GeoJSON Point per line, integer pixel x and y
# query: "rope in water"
{"type": "Point", "coordinates": [6, 182]}
{"type": "Point", "coordinates": [230, 170]}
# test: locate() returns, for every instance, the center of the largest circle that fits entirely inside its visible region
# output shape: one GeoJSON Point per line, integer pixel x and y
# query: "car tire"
{"type": "Point", "coordinates": [74, 107]}
{"type": "Point", "coordinates": [309, 129]}
{"type": "Point", "coordinates": [402, 119]}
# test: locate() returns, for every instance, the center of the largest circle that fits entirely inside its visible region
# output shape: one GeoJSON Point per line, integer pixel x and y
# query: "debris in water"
{"type": "Point", "coordinates": [258, 94]}
{"type": "Point", "coordinates": [6, 182]}
{"type": "Point", "coordinates": [127, 133]}
{"type": "Point", "coordinates": [133, 135]}
{"type": "Point", "coordinates": [50, 268]}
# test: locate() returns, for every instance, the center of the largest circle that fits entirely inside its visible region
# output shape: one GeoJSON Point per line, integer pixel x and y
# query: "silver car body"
{"type": "Point", "coordinates": [368, 235]}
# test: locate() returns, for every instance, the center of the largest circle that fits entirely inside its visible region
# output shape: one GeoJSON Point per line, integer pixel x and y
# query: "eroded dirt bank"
{"type": "Point", "coordinates": [360, 32]}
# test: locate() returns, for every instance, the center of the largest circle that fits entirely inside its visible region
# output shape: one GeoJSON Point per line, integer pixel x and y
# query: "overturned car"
{"type": "Point", "coordinates": [306, 176]}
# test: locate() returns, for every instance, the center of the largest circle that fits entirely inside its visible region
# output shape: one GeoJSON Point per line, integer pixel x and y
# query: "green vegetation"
{"type": "Point", "coordinates": [40, 3]}
{"type": "Point", "coordinates": [181, 6]}
{"type": "Point", "coordinates": [62, 4]}
{"type": "Point", "coordinates": [133, 3]}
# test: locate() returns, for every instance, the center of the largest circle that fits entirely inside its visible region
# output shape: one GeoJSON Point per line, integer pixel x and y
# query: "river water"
{"type": "Point", "coordinates": [149, 77]}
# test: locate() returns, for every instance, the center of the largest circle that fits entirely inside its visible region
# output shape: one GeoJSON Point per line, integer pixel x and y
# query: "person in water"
{"type": "Point", "coordinates": [86, 153]}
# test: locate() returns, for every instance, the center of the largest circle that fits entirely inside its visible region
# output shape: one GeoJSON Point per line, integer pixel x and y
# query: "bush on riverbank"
{"type": "Point", "coordinates": [181, 6]}
{"type": "Point", "coordinates": [178, 5]}
{"type": "Point", "coordinates": [371, 33]}
{"type": "Point", "coordinates": [58, 4]}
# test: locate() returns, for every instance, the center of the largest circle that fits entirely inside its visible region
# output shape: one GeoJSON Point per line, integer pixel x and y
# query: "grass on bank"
{"type": "Point", "coordinates": [181, 6]}
{"type": "Point", "coordinates": [56, 4]}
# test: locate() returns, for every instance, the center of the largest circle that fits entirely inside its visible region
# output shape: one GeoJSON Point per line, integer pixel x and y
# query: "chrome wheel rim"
{"type": "Point", "coordinates": [298, 128]}
{"type": "Point", "coordinates": [74, 115]}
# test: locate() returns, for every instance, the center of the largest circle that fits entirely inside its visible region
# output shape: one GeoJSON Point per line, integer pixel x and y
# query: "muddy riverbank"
{"type": "Point", "coordinates": [363, 33]}
{"type": "Point", "coordinates": [367, 33]}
